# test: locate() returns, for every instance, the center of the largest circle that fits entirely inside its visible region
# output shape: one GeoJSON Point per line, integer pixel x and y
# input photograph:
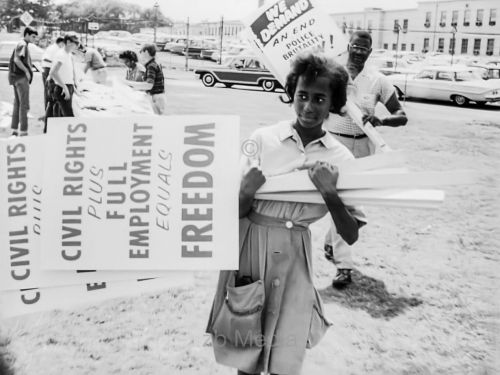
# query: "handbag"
{"type": "Point", "coordinates": [239, 319]}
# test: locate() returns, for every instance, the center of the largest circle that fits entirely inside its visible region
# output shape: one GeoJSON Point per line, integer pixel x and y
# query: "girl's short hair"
{"type": "Point", "coordinates": [129, 55]}
{"type": "Point", "coordinates": [314, 65]}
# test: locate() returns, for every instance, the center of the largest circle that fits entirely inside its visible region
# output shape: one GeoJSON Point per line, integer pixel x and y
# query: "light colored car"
{"type": "Point", "coordinates": [488, 71]}
{"type": "Point", "coordinates": [459, 84]}
{"type": "Point", "coordinates": [7, 47]}
{"type": "Point", "coordinates": [229, 52]}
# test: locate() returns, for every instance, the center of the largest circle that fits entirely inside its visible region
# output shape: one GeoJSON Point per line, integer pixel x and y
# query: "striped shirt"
{"type": "Point", "coordinates": [154, 75]}
{"type": "Point", "coordinates": [371, 87]}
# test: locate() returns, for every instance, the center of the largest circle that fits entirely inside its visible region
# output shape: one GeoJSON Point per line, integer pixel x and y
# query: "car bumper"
{"type": "Point", "coordinates": [495, 98]}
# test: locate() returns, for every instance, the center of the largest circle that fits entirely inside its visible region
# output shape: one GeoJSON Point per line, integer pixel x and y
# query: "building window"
{"type": "Point", "coordinates": [405, 25]}
{"type": "Point", "coordinates": [428, 16]}
{"type": "Point", "coordinates": [403, 47]}
{"type": "Point", "coordinates": [413, 46]}
{"type": "Point", "coordinates": [479, 17]}
{"type": "Point", "coordinates": [452, 46]}
{"type": "Point", "coordinates": [477, 46]}
{"type": "Point", "coordinates": [440, 44]}
{"type": "Point", "coordinates": [493, 17]}
{"type": "Point", "coordinates": [394, 46]}
{"type": "Point", "coordinates": [465, 43]}
{"type": "Point", "coordinates": [489, 46]}
{"type": "Point", "coordinates": [467, 17]}
{"type": "Point", "coordinates": [454, 18]}
{"type": "Point", "coordinates": [386, 46]}
{"type": "Point", "coordinates": [426, 45]}
{"type": "Point", "coordinates": [370, 25]}
{"type": "Point", "coordinates": [442, 23]}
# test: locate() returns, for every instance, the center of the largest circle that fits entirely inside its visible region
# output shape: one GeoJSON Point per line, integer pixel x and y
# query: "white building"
{"type": "Point", "coordinates": [230, 29]}
{"type": "Point", "coordinates": [470, 25]}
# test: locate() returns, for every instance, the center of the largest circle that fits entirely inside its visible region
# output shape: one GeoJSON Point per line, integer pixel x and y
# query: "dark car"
{"type": "Point", "coordinates": [241, 70]}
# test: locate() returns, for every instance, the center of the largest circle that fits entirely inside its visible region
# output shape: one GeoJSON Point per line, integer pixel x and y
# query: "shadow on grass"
{"type": "Point", "coordinates": [370, 295]}
{"type": "Point", "coordinates": [6, 360]}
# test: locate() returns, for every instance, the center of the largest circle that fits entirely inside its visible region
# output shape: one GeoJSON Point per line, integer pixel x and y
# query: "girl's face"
{"type": "Point", "coordinates": [127, 63]}
{"type": "Point", "coordinates": [312, 101]}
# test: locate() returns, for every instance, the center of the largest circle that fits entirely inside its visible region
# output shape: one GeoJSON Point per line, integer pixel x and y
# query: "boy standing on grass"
{"type": "Point", "coordinates": [154, 83]}
{"type": "Point", "coordinates": [20, 76]}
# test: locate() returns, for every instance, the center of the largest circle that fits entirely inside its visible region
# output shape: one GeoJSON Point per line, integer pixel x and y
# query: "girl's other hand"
{"type": "Point", "coordinates": [324, 176]}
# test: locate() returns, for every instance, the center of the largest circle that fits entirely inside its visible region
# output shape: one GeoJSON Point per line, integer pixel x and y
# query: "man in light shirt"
{"type": "Point", "coordinates": [95, 63]}
{"type": "Point", "coordinates": [47, 59]}
{"type": "Point", "coordinates": [371, 87]}
{"type": "Point", "coordinates": [62, 74]}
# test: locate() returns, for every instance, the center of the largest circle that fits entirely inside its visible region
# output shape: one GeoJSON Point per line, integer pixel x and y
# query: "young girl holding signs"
{"type": "Point", "coordinates": [265, 314]}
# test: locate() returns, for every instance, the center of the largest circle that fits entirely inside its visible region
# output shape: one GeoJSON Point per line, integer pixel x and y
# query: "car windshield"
{"type": "Point", "coordinates": [467, 76]}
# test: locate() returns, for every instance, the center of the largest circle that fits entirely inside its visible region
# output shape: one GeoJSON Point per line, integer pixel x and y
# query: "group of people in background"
{"type": "Point", "coordinates": [60, 79]}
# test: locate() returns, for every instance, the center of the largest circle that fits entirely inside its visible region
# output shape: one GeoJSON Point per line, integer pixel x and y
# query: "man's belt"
{"type": "Point", "coordinates": [353, 136]}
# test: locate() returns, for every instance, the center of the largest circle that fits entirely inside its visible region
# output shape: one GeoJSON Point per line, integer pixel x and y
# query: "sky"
{"type": "Point", "coordinates": [212, 10]}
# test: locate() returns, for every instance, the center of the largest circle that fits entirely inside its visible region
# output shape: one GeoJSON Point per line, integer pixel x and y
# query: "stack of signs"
{"type": "Point", "coordinates": [282, 29]}
{"type": "Point", "coordinates": [96, 210]}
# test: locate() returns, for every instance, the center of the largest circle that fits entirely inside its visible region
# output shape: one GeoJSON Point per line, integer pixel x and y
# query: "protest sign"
{"type": "Point", "coordinates": [21, 195]}
{"type": "Point", "coordinates": [282, 29]}
{"type": "Point", "coordinates": [26, 301]}
{"type": "Point", "coordinates": [141, 193]}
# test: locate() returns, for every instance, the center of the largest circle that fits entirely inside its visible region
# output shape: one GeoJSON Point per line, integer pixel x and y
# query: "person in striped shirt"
{"type": "Point", "coordinates": [154, 83]}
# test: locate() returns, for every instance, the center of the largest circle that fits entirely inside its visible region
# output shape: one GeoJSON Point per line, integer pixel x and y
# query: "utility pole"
{"type": "Point", "coordinates": [453, 32]}
{"type": "Point", "coordinates": [187, 43]}
{"type": "Point", "coordinates": [397, 29]}
{"type": "Point", "coordinates": [221, 37]}
{"type": "Point", "coordinates": [156, 20]}
{"type": "Point", "coordinates": [435, 26]}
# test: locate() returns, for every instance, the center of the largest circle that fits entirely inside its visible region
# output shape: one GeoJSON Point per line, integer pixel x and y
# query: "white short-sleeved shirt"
{"type": "Point", "coordinates": [279, 151]}
{"type": "Point", "coordinates": [48, 55]}
{"type": "Point", "coordinates": [66, 69]}
{"type": "Point", "coordinates": [370, 87]}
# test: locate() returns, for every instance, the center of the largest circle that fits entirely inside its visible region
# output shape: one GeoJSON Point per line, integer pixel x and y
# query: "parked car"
{"type": "Point", "coordinates": [228, 52]}
{"type": "Point", "coordinates": [242, 70]}
{"type": "Point", "coordinates": [459, 84]}
{"type": "Point", "coordinates": [175, 46]}
{"type": "Point", "coordinates": [488, 71]}
{"type": "Point", "coordinates": [7, 47]}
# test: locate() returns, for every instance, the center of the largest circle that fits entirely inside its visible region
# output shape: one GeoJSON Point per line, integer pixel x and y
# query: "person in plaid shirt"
{"type": "Point", "coordinates": [154, 83]}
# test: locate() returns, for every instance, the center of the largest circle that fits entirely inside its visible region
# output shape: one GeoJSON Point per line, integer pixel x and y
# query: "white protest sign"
{"type": "Point", "coordinates": [150, 192]}
{"type": "Point", "coordinates": [27, 301]}
{"type": "Point", "coordinates": [284, 28]}
{"type": "Point", "coordinates": [21, 195]}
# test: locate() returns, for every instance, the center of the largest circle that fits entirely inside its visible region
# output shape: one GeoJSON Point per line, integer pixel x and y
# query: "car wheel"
{"type": "Point", "coordinates": [268, 85]}
{"type": "Point", "coordinates": [208, 79]}
{"type": "Point", "coordinates": [460, 100]}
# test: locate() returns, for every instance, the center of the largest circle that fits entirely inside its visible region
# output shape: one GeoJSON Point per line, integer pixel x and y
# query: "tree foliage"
{"type": "Point", "coordinates": [110, 12]}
